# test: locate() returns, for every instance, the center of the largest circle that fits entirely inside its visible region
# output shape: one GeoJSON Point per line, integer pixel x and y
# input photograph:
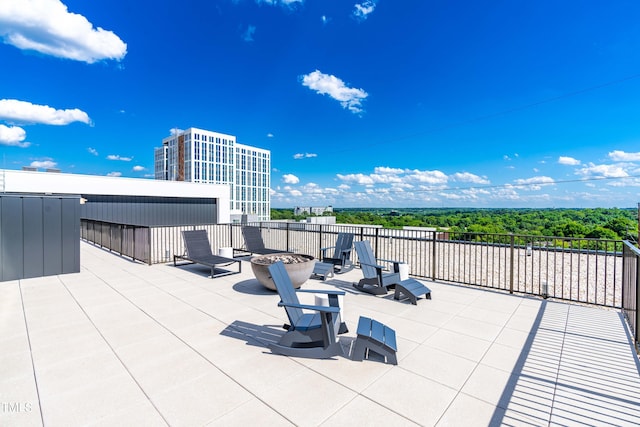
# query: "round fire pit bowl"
{"type": "Point", "coordinates": [298, 266]}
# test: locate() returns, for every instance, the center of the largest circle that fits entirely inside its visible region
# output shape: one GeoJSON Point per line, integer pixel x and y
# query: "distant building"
{"type": "Point", "coordinates": [198, 155]}
{"type": "Point", "coordinates": [312, 210]}
{"type": "Point", "coordinates": [324, 220]}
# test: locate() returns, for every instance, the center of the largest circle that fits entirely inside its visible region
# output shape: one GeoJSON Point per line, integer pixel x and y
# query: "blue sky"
{"type": "Point", "coordinates": [363, 103]}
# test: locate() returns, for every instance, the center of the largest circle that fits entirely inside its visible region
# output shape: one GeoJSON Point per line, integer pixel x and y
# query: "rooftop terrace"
{"type": "Point", "coordinates": [123, 343]}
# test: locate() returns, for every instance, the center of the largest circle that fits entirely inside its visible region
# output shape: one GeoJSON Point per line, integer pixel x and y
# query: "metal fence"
{"type": "Point", "coordinates": [592, 271]}
{"type": "Point", "coordinates": [630, 287]}
{"type": "Point", "coordinates": [575, 269]}
{"type": "Point", "coordinates": [128, 240]}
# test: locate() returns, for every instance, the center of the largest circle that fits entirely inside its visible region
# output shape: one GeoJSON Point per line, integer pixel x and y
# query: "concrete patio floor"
{"type": "Point", "coordinates": [122, 343]}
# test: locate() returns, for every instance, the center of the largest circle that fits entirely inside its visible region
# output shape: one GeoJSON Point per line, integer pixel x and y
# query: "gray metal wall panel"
{"type": "Point", "coordinates": [32, 240]}
{"type": "Point", "coordinates": [52, 232]}
{"type": "Point", "coordinates": [12, 251]}
{"type": "Point", "coordinates": [32, 211]}
{"type": "Point", "coordinates": [33, 228]}
{"type": "Point", "coordinates": [70, 235]}
{"type": "Point", "coordinates": [150, 211]}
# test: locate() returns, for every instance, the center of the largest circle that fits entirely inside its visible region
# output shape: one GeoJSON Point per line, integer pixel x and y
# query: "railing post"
{"type": "Point", "coordinates": [287, 237]}
{"type": "Point", "coordinates": [149, 245]}
{"type": "Point", "coordinates": [376, 243]}
{"type": "Point", "coordinates": [434, 261]}
{"type": "Point", "coordinates": [133, 229]}
{"type": "Point", "coordinates": [511, 262]}
{"type": "Point", "coordinates": [637, 313]}
{"type": "Point", "coordinates": [320, 244]}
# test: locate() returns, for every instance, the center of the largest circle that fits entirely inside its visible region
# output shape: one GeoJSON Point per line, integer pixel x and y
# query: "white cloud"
{"type": "Point", "coordinates": [429, 177]}
{"type": "Point", "coordinates": [386, 178]}
{"type": "Point", "coordinates": [630, 182]}
{"type": "Point", "coordinates": [325, 20]}
{"type": "Point", "coordinates": [92, 151]}
{"type": "Point", "coordinates": [114, 174]}
{"type": "Point", "coordinates": [13, 136]}
{"type": "Point", "coordinates": [283, 3]}
{"type": "Point", "coordinates": [397, 178]}
{"type": "Point", "coordinates": [606, 171]}
{"type": "Point", "coordinates": [46, 26]}
{"type": "Point", "coordinates": [175, 131]}
{"type": "Point", "coordinates": [15, 111]}
{"type": "Point", "coordinates": [247, 35]}
{"type": "Point", "coordinates": [388, 170]}
{"type": "Point", "coordinates": [117, 157]}
{"type": "Point", "coordinates": [356, 178]}
{"type": "Point", "coordinates": [326, 84]}
{"type": "Point", "coordinates": [139, 168]}
{"type": "Point", "coordinates": [363, 10]}
{"type": "Point", "coordinates": [570, 161]}
{"type": "Point", "coordinates": [621, 156]}
{"type": "Point", "coordinates": [303, 156]}
{"type": "Point", "coordinates": [396, 187]}
{"type": "Point", "coordinates": [469, 177]}
{"type": "Point", "coordinates": [269, 135]}
{"type": "Point", "coordinates": [290, 179]}
{"type": "Point", "coordinates": [535, 180]}
{"type": "Point", "coordinates": [534, 183]}
{"type": "Point", "coordinates": [46, 164]}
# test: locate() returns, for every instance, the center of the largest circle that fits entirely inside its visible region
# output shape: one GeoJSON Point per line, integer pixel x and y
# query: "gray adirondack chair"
{"type": "Point", "coordinates": [341, 256]}
{"type": "Point", "coordinates": [376, 281]}
{"type": "Point", "coordinates": [314, 334]}
{"type": "Point", "coordinates": [198, 251]}
{"type": "Point", "coordinates": [254, 244]}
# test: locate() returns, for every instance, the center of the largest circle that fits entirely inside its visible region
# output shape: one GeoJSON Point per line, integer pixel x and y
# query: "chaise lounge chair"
{"type": "Point", "coordinates": [377, 282]}
{"type": "Point", "coordinates": [253, 243]}
{"type": "Point", "coordinates": [198, 251]}
{"type": "Point", "coordinates": [314, 334]}
{"type": "Point", "coordinates": [341, 257]}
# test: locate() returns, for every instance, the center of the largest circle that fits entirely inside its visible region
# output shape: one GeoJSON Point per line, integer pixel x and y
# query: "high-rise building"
{"type": "Point", "coordinates": [198, 155]}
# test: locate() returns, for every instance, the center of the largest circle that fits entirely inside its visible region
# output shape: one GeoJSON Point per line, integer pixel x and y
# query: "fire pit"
{"type": "Point", "coordinates": [298, 266]}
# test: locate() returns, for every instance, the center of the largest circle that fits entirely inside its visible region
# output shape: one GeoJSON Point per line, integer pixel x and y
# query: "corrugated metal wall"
{"type": "Point", "coordinates": [150, 211]}
{"type": "Point", "coordinates": [39, 236]}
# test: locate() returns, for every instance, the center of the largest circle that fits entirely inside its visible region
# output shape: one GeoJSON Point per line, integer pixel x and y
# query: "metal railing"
{"type": "Point", "coordinates": [630, 289]}
{"type": "Point", "coordinates": [129, 240]}
{"type": "Point", "coordinates": [574, 269]}
{"type": "Point", "coordinates": [592, 271]}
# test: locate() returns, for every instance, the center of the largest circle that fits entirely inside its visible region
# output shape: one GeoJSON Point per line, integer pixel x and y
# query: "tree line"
{"type": "Point", "coordinates": [600, 223]}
